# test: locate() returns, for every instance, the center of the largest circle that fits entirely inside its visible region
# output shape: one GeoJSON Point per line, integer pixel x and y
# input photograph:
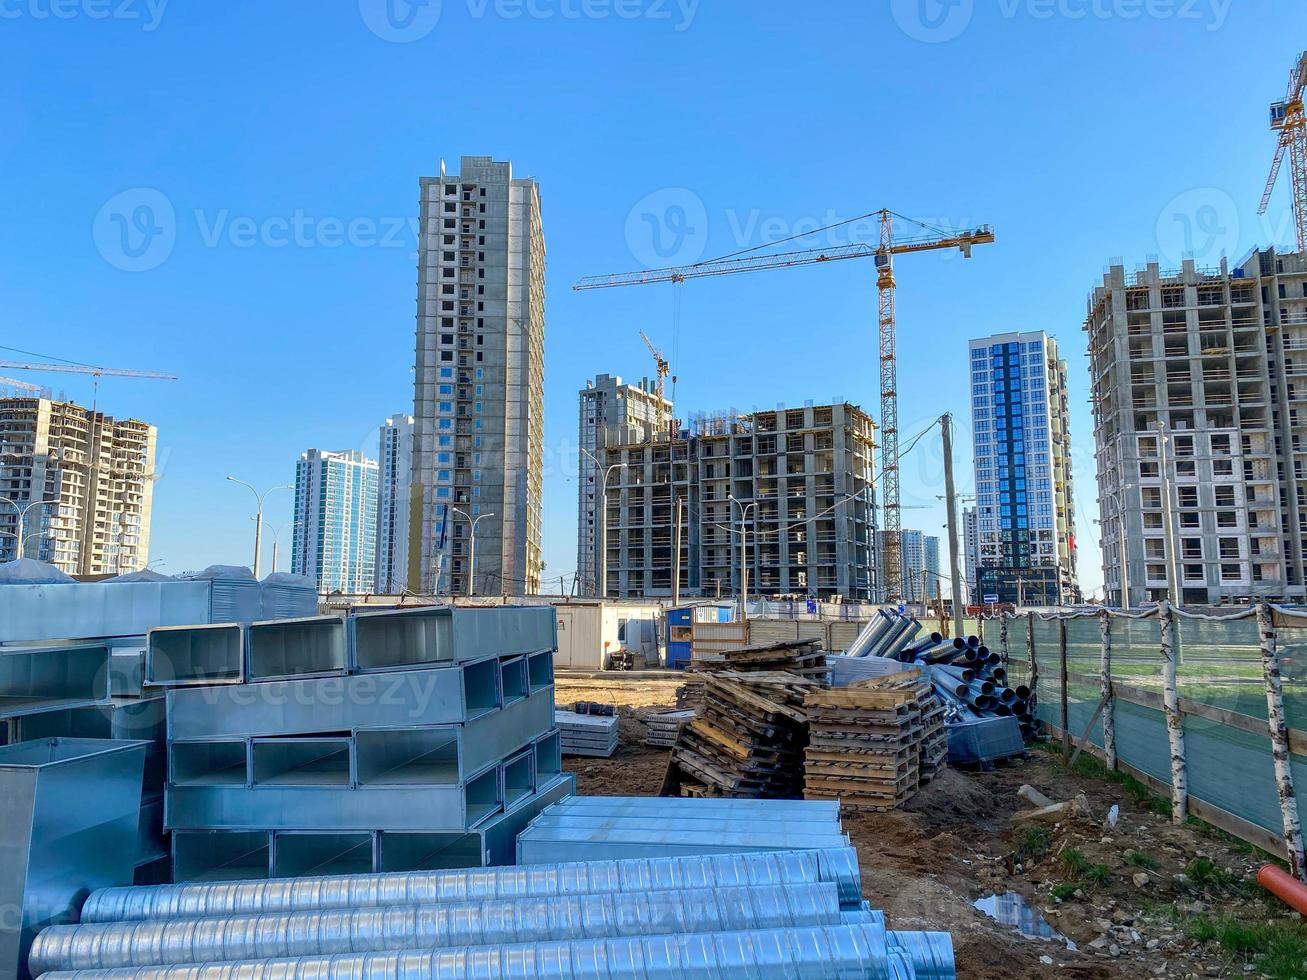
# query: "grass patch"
{"type": "Point", "coordinates": [1277, 949]}
{"type": "Point", "coordinates": [1035, 843]}
{"type": "Point", "coordinates": [1138, 859]}
{"type": "Point", "coordinates": [1090, 767]}
{"type": "Point", "coordinates": [1098, 874]}
{"type": "Point", "coordinates": [1203, 873]}
{"type": "Point", "coordinates": [1073, 861]}
{"type": "Point", "coordinates": [1066, 889]}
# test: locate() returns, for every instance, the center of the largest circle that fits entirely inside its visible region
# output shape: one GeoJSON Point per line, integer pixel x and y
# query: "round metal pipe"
{"type": "Point", "coordinates": [812, 953]}
{"type": "Point", "coordinates": [182, 941]}
{"type": "Point", "coordinates": [320, 893]}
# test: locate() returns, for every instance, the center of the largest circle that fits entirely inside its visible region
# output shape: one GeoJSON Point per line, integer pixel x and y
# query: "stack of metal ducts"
{"type": "Point", "coordinates": [593, 735]}
{"type": "Point", "coordinates": [793, 914]}
{"type": "Point", "coordinates": [91, 690]}
{"type": "Point", "coordinates": [592, 828]}
{"type": "Point", "coordinates": [393, 740]}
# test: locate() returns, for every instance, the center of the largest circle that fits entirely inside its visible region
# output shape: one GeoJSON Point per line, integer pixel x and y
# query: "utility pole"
{"type": "Point", "coordinates": [1168, 514]}
{"type": "Point", "coordinates": [676, 555]}
{"type": "Point", "coordinates": [946, 428]}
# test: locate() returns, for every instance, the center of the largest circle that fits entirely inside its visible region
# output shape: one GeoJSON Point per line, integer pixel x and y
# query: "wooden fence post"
{"type": "Point", "coordinates": [1174, 720]}
{"type": "Point", "coordinates": [1279, 730]}
{"type": "Point", "coordinates": [1109, 723]}
{"type": "Point", "coordinates": [1064, 693]}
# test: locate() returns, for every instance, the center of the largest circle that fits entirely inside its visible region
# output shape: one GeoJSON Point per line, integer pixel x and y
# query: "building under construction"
{"type": "Point", "coordinates": [84, 483]}
{"type": "Point", "coordinates": [1217, 357]}
{"type": "Point", "coordinates": [794, 487]}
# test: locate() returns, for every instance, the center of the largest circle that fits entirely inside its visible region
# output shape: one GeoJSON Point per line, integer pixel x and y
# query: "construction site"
{"type": "Point", "coordinates": [754, 739]}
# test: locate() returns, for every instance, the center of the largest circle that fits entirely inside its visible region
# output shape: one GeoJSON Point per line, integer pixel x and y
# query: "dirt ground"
{"type": "Point", "coordinates": [954, 843]}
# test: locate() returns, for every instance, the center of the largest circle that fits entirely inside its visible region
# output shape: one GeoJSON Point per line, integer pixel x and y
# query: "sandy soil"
{"type": "Point", "coordinates": [927, 864]}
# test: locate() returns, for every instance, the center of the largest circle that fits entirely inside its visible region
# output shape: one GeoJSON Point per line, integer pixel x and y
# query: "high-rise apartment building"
{"type": "Point", "coordinates": [395, 471]}
{"type": "Point", "coordinates": [1200, 393]}
{"type": "Point", "coordinates": [1024, 495]}
{"type": "Point", "coordinates": [478, 439]}
{"type": "Point", "coordinates": [970, 551]}
{"type": "Point", "coordinates": [920, 557]}
{"type": "Point", "coordinates": [335, 529]}
{"type": "Point", "coordinates": [85, 484]}
{"type": "Point", "coordinates": [789, 491]}
{"type": "Point", "coordinates": [610, 413]}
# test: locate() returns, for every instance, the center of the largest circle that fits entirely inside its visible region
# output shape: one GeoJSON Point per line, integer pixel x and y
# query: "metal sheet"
{"type": "Point", "coordinates": [52, 677]}
{"type": "Point", "coordinates": [53, 846]}
{"type": "Point", "coordinates": [297, 648]}
{"type": "Point", "coordinates": [60, 612]}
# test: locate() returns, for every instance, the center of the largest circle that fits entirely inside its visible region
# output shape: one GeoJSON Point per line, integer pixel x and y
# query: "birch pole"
{"type": "Point", "coordinates": [1002, 637]}
{"type": "Point", "coordinates": [1105, 682]}
{"type": "Point", "coordinates": [1174, 721]}
{"type": "Point", "coordinates": [1034, 664]}
{"type": "Point", "coordinates": [1279, 730]}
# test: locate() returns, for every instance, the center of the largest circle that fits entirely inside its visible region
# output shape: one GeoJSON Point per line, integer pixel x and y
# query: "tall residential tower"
{"type": "Point", "coordinates": [478, 408]}
{"type": "Point", "coordinates": [1024, 499]}
{"type": "Point", "coordinates": [335, 529]}
{"type": "Point", "coordinates": [612, 413]}
{"type": "Point", "coordinates": [395, 468]}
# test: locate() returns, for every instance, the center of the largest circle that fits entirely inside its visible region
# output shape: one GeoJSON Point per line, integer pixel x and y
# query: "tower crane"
{"type": "Point", "coordinates": [1290, 121]}
{"type": "Point", "coordinates": [926, 238]}
{"type": "Point", "coordinates": [71, 367]}
{"type": "Point", "coordinates": [664, 369]}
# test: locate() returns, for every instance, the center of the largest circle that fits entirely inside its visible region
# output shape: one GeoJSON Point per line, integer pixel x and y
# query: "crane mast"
{"type": "Point", "coordinates": [1289, 119]}
{"type": "Point", "coordinates": [664, 369]}
{"type": "Point", "coordinates": [929, 238]}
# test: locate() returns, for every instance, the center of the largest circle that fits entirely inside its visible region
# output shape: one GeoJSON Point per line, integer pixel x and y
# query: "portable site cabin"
{"type": "Point", "coordinates": [590, 631]}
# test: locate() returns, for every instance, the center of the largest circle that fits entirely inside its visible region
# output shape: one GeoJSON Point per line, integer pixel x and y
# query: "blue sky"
{"type": "Point", "coordinates": [280, 145]}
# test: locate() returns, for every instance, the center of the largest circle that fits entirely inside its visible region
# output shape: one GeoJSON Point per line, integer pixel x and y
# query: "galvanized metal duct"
{"type": "Point", "coordinates": [931, 953]}
{"type": "Point", "coordinates": [418, 888]}
{"type": "Point", "coordinates": [821, 953]}
{"type": "Point", "coordinates": [180, 941]}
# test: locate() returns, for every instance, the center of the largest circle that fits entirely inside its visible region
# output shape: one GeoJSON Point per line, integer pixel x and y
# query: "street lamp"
{"type": "Point", "coordinates": [258, 517]}
{"type": "Point", "coordinates": [744, 553]}
{"type": "Point", "coordinates": [1118, 498]}
{"type": "Point", "coordinates": [276, 538]}
{"type": "Point", "coordinates": [603, 523]}
{"type": "Point", "coordinates": [472, 551]}
{"type": "Point", "coordinates": [22, 519]}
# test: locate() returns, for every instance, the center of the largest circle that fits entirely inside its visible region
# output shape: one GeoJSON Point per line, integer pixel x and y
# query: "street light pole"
{"type": "Point", "coordinates": [946, 428]}
{"type": "Point", "coordinates": [744, 554]}
{"type": "Point", "coordinates": [258, 516]}
{"type": "Point", "coordinates": [472, 549]}
{"type": "Point", "coordinates": [602, 520]}
{"type": "Point", "coordinates": [22, 520]}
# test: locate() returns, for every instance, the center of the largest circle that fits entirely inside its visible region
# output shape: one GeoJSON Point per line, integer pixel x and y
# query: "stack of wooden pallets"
{"type": "Point", "coordinates": [664, 727]}
{"type": "Point", "coordinates": [750, 728]}
{"type": "Point", "coordinates": [865, 742]}
{"type": "Point", "coordinates": [934, 736]}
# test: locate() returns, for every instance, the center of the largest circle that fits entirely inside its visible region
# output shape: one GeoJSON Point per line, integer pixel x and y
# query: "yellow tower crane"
{"type": "Point", "coordinates": [926, 238]}
{"type": "Point", "coordinates": [664, 369]}
{"type": "Point", "coordinates": [1290, 121]}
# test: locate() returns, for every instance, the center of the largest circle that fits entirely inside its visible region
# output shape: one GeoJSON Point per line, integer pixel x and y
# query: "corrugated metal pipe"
{"type": "Point", "coordinates": [931, 953]}
{"type": "Point", "coordinates": [839, 866]}
{"type": "Point", "coordinates": [819, 953]}
{"type": "Point", "coordinates": [180, 941]}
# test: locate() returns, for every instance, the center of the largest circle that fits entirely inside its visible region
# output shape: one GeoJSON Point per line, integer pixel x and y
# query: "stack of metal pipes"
{"type": "Point", "coordinates": [971, 677]}
{"type": "Point", "coordinates": [791, 914]}
{"type": "Point", "coordinates": [885, 634]}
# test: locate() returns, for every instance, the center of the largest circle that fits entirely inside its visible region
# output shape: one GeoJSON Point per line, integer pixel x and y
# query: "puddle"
{"type": "Point", "coordinates": [1013, 910]}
